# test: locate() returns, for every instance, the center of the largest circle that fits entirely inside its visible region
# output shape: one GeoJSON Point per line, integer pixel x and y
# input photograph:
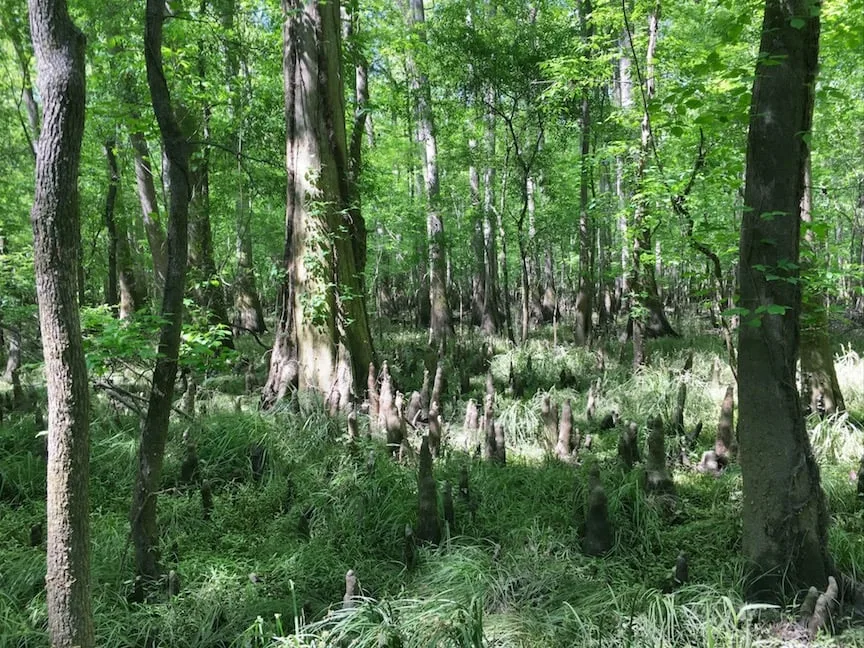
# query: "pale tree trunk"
{"type": "Point", "coordinates": [585, 294]}
{"type": "Point", "coordinates": [478, 276]}
{"type": "Point", "coordinates": [491, 314]}
{"type": "Point", "coordinates": [59, 48]}
{"type": "Point", "coordinates": [440, 325]}
{"type": "Point", "coordinates": [13, 24]}
{"type": "Point", "coordinates": [147, 197]}
{"type": "Point", "coordinates": [785, 517]}
{"type": "Point", "coordinates": [248, 314]}
{"type": "Point", "coordinates": [154, 431]}
{"type": "Point", "coordinates": [122, 290]}
{"type": "Point", "coordinates": [646, 311]}
{"type": "Point", "coordinates": [624, 95]}
{"type": "Point", "coordinates": [820, 388]}
{"type": "Point", "coordinates": [322, 340]}
{"type": "Point", "coordinates": [205, 281]}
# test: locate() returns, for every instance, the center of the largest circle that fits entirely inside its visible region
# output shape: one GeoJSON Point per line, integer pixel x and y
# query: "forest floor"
{"type": "Point", "coordinates": [268, 568]}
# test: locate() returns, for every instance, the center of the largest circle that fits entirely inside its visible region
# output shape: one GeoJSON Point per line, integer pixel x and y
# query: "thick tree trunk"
{"type": "Point", "coordinates": [59, 48]}
{"type": "Point", "coordinates": [785, 515]}
{"type": "Point", "coordinates": [323, 338]}
{"type": "Point", "coordinates": [145, 532]}
{"type": "Point", "coordinates": [440, 325]}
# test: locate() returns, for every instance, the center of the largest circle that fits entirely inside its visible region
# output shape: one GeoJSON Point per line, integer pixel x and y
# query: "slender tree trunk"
{"type": "Point", "coordinates": [478, 277]}
{"type": "Point", "coordinates": [248, 314]}
{"type": "Point", "coordinates": [323, 340]}
{"type": "Point", "coordinates": [147, 196]}
{"type": "Point", "coordinates": [440, 325]}
{"type": "Point", "coordinates": [12, 24]}
{"type": "Point", "coordinates": [112, 292]}
{"type": "Point", "coordinates": [785, 517]}
{"type": "Point", "coordinates": [206, 283]}
{"type": "Point", "coordinates": [491, 315]}
{"type": "Point", "coordinates": [59, 48]}
{"type": "Point", "coordinates": [820, 388]}
{"type": "Point", "coordinates": [145, 532]}
{"type": "Point", "coordinates": [649, 318]}
{"type": "Point", "coordinates": [585, 295]}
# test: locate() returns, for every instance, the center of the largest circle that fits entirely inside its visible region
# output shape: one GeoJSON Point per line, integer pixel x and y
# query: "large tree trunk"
{"type": "Point", "coordinates": [59, 48]}
{"type": "Point", "coordinates": [145, 532]}
{"type": "Point", "coordinates": [323, 340]}
{"type": "Point", "coordinates": [785, 515]}
{"type": "Point", "coordinates": [440, 325]}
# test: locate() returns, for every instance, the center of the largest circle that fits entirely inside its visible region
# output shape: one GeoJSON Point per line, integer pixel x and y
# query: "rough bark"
{"type": "Point", "coordinates": [490, 322]}
{"type": "Point", "coordinates": [154, 431]}
{"type": "Point", "coordinates": [59, 48]}
{"type": "Point", "coordinates": [323, 339]}
{"type": "Point", "coordinates": [785, 517]}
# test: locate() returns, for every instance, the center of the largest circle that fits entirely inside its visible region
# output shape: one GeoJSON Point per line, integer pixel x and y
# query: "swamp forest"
{"type": "Point", "coordinates": [431, 323]}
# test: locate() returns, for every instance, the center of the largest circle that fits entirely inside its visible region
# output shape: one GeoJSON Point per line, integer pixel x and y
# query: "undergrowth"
{"type": "Point", "coordinates": [268, 568]}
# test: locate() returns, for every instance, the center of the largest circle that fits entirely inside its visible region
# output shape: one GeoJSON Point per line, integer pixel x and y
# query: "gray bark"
{"type": "Point", "coordinates": [59, 48]}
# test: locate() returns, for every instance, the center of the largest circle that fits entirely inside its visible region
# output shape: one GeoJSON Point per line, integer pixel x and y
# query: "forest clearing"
{"type": "Point", "coordinates": [475, 323]}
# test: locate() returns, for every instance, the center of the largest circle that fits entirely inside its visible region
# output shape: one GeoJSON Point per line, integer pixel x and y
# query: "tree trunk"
{"type": "Point", "coordinates": [491, 313]}
{"type": "Point", "coordinates": [323, 338]}
{"type": "Point", "coordinates": [478, 277]}
{"type": "Point", "coordinates": [144, 530]}
{"type": "Point", "coordinates": [440, 325]}
{"type": "Point", "coordinates": [112, 292]}
{"type": "Point", "coordinates": [585, 295]}
{"type": "Point", "coordinates": [820, 388]}
{"type": "Point", "coordinates": [205, 281]}
{"type": "Point", "coordinates": [150, 209]}
{"type": "Point", "coordinates": [785, 515]}
{"type": "Point", "coordinates": [248, 314]}
{"type": "Point", "coordinates": [12, 24]}
{"type": "Point", "coordinates": [648, 318]}
{"type": "Point", "coordinates": [59, 48]}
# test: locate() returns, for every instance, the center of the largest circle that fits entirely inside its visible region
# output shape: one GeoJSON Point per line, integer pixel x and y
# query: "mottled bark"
{"type": "Point", "coordinates": [585, 295]}
{"type": "Point", "coordinates": [154, 431]}
{"type": "Point", "coordinates": [323, 340]}
{"type": "Point", "coordinates": [491, 310]}
{"type": "Point", "coordinates": [59, 48]}
{"type": "Point", "coordinates": [785, 517]}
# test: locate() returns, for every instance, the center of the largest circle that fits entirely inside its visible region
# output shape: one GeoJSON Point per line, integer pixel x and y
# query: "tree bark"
{"type": "Point", "coordinates": [585, 294]}
{"type": "Point", "coordinates": [491, 316]}
{"type": "Point", "coordinates": [322, 340]}
{"type": "Point", "coordinates": [59, 48]}
{"type": "Point", "coordinates": [205, 281]}
{"type": "Point", "coordinates": [785, 515]}
{"type": "Point", "coordinates": [820, 388]}
{"type": "Point", "coordinates": [112, 291]}
{"type": "Point", "coordinates": [144, 530]}
{"type": "Point", "coordinates": [440, 325]}
{"type": "Point", "coordinates": [150, 208]}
